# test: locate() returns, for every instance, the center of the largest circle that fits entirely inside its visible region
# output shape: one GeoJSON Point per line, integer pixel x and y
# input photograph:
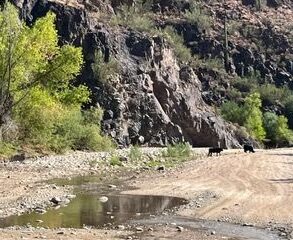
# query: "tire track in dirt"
{"type": "Point", "coordinates": [251, 187]}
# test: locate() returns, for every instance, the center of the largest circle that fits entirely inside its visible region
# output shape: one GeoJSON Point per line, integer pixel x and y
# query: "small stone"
{"type": "Point", "coordinates": [121, 227]}
{"type": "Point", "coordinates": [150, 229]}
{"type": "Point", "coordinates": [247, 225]}
{"type": "Point", "coordinates": [213, 232]}
{"type": "Point", "coordinates": [55, 200]}
{"type": "Point", "coordinates": [112, 186]}
{"type": "Point", "coordinates": [39, 221]}
{"type": "Point", "coordinates": [161, 168]}
{"type": "Point", "coordinates": [129, 238]}
{"type": "Point", "coordinates": [103, 199]}
{"type": "Point", "coordinates": [179, 228]}
{"type": "Point", "coordinates": [139, 229]}
{"type": "Point", "coordinates": [71, 196]}
{"type": "Point", "coordinates": [40, 210]}
{"type": "Point", "coordinates": [60, 233]}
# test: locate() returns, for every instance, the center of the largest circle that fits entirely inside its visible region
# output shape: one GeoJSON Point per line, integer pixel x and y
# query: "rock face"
{"type": "Point", "coordinates": [154, 100]}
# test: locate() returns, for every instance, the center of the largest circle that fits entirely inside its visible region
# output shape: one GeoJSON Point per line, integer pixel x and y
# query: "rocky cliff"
{"type": "Point", "coordinates": [156, 99]}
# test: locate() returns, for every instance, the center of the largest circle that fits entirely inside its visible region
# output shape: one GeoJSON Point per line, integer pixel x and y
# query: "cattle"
{"type": "Point", "coordinates": [215, 150]}
{"type": "Point", "coordinates": [248, 148]}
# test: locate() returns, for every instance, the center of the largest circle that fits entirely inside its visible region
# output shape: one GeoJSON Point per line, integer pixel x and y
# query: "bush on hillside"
{"type": "Point", "coordinates": [177, 43]}
{"type": "Point", "coordinates": [198, 16]}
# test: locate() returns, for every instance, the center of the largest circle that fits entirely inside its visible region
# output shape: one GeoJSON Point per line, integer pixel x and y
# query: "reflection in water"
{"type": "Point", "coordinates": [86, 209]}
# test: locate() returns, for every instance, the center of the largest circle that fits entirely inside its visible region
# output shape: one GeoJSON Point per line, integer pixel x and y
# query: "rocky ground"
{"type": "Point", "coordinates": [248, 189]}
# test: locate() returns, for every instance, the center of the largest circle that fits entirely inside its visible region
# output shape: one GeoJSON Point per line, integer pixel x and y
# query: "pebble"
{"type": "Point", "coordinates": [179, 228]}
{"type": "Point", "coordinates": [121, 227]}
{"type": "Point", "coordinates": [40, 210]}
{"type": "Point", "coordinates": [103, 199]}
{"type": "Point", "coordinates": [55, 200]}
{"type": "Point", "coordinates": [139, 229]}
{"type": "Point", "coordinates": [161, 168]}
{"type": "Point", "coordinates": [71, 196]}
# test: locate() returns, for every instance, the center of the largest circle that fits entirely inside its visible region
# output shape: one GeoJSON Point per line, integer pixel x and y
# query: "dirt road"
{"type": "Point", "coordinates": [246, 188]}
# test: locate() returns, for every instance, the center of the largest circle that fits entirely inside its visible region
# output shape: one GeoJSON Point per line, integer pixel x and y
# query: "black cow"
{"type": "Point", "coordinates": [215, 150]}
{"type": "Point", "coordinates": [248, 148]}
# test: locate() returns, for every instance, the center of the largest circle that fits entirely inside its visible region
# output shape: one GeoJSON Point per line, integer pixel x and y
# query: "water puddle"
{"type": "Point", "coordinates": [87, 209]}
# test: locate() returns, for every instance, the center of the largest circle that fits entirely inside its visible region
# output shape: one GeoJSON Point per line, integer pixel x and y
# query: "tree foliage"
{"type": "Point", "coordinates": [30, 57]}
{"type": "Point", "coordinates": [232, 112]}
{"type": "Point", "coordinates": [248, 115]}
{"type": "Point", "coordinates": [35, 78]}
{"type": "Point", "coordinates": [277, 128]}
{"type": "Point", "coordinates": [253, 116]}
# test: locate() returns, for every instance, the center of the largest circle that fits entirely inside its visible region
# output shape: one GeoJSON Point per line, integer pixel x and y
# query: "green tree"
{"type": "Point", "coordinates": [35, 86]}
{"type": "Point", "coordinates": [232, 112]}
{"type": "Point", "coordinates": [283, 132]}
{"type": "Point", "coordinates": [31, 57]}
{"type": "Point", "coordinates": [253, 116]}
{"type": "Point", "coordinates": [270, 124]}
{"type": "Point", "coordinates": [277, 128]}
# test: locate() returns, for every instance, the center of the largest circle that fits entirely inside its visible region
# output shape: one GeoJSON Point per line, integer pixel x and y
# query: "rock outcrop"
{"type": "Point", "coordinates": [154, 100]}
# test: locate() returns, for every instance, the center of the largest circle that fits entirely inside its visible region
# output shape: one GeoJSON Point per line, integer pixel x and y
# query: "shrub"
{"type": "Point", "coordinates": [197, 15]}
{"type": "Point", "coordinates": [232, 112]}
{"type": "Point", "coordinates": [7, 149]}
{"type": "Point", "coordinates": [234, 95]}
{"type": "Point", "coordinates": [177, 43]}
{"type": "Point", "coordinates": [45, 121]}
{"type": "Point", "coordinates": [135, 154]}
{"type": "Point", "coordinates": [133, 17]}
{"type": "Point", "coordinates": [270, 124]}
{"type": "Point", "coordinates": [277, 128]}
{"type": "Point", "coordinates": [115, 161]}
{"type": "Point", "coordinates": [104, 71]}
{"type": "Point", "coordinates": [245, 84]}
{"type": "Point", "coordinates": [179, 150]}
{"type": "Point", "coordinates": [78, 132]}
{"type": "Point", "coordinates": [283, 132]}
{"type": "Point", "coordinates": [271, 95]}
